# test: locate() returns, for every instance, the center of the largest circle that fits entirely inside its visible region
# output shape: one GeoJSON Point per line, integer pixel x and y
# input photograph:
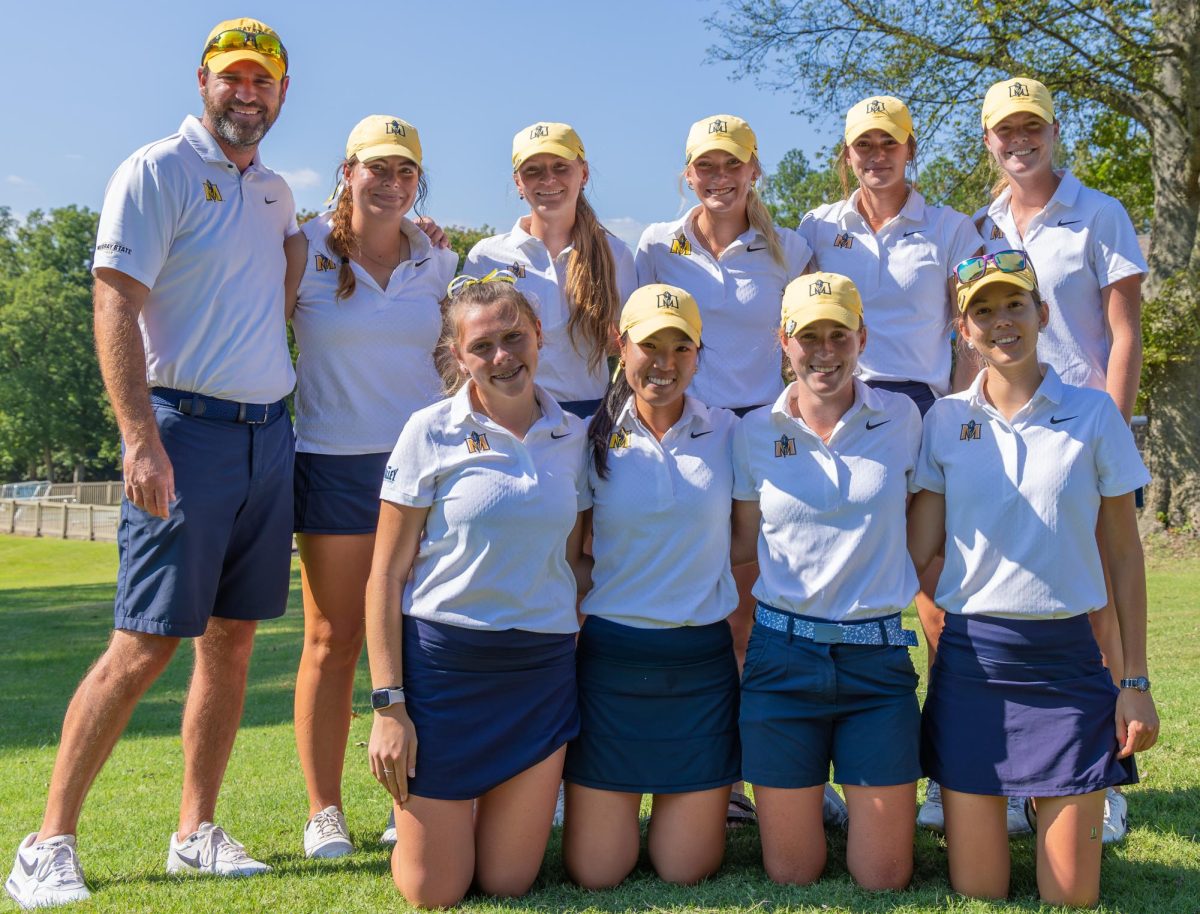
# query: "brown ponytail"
{"type": "Point", "coordinates": [591, 285]}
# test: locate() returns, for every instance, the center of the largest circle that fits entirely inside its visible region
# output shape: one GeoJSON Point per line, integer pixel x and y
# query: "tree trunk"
{"type": "Point", "coordinates": [48, 460]}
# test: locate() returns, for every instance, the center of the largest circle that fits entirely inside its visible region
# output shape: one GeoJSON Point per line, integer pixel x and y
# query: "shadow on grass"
{"type": "Point", "coordinates": [52, 635]}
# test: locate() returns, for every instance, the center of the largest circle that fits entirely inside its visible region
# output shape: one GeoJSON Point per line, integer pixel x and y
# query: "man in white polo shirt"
{"type": "Point", "coordinates": [190, 333]}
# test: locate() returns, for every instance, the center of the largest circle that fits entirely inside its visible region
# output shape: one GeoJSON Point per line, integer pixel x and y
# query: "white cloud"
{"type": "Point", "coordinates": [302, 178]}
{"type": "Point", "coordinates": [626, 228]}
{"type": "Point", "coordinates": [18, 181]}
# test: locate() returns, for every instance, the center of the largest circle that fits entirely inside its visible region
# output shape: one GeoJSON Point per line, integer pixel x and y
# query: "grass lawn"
{"type": "Point", "coordinates": [55, 615]}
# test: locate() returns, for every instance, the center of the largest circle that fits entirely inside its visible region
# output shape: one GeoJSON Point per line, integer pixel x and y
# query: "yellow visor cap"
{"type": "Point", "coordinates": [546, 136]}
{"type": "Point", "coordinates": [1013, 96]}
{"type": "Point", "coordinates": [656, 307]}
{"type": "Point", "coordinates": [880, 112]}
{"type": "Point", "coordinates": [724, 132]}
{"type": "Point", "coordinates": [820, 296]}
{"type": "Point", "coordinates": [380, 135]}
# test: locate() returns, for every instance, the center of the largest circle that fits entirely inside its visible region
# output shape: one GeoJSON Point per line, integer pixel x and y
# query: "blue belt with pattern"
{"type": "Point", "coordinates": [886, 630]}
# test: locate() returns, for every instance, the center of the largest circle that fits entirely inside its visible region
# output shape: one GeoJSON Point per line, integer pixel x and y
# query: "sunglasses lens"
{"type": "Point", "coordinates": [971, 269]}
{"type": "Point", "coordinates": [1010, 261]}
{"type": "Point", "coordinates": [269, 45]}
{"type": "Point", "coordinates": [228, 41]}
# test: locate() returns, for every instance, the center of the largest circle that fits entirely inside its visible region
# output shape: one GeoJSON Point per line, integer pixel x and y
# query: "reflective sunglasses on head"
{"type": "Point", "coordinates": [237, 39]}
{"type": "Point", "coordinates": [974, 268]}
{"type": "Point", "coordinates": [458, 283]}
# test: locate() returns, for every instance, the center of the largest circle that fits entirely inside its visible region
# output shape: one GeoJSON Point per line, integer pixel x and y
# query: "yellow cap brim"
{"type": "Point", "coordinates": [645, 329]}
{"type": "Point", "coordinates": [895, 131]}
{"type": "Point", "coordinates": [725, 145]}
{"type": "Point", "coordinates": [967, 293]}
{"type": "Point", "coordinates": [219, 63]}
{"type": "Point", "coordinates": [821, 312]}
{"type": "Point", "coordinates": [555, 149]}
{"type": "Point", "coordinates": [383, 150]}
{"type": "Point", "coordinates": [1015, 106]}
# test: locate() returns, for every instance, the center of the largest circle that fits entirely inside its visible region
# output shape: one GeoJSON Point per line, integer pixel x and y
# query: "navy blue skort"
{"type": "Point", "coordinates": [658, 709]}
{"type": "Point", "coordinates": [1021, 708]}
{"type": "Point", "coordinates": [337, 493]}
{"type": "Point", "coordinates": [486, 705]}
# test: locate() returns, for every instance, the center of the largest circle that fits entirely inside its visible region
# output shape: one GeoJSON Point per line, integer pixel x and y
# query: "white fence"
{"type": "Point", "coordinates": [59, 519]}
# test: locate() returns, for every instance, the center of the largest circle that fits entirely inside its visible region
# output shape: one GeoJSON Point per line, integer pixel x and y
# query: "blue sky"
{"type": "Point", "coordinates": [97, 80]}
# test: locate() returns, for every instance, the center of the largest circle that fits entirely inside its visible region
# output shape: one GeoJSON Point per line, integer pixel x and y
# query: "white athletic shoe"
{"type": "Point", "coordinates": [389, 833]}
{"type": "Point", "coordinates": [833, 809]}
{"type": "Point", "coordinates": [931, 815]}
{"type": "Point", "coordinates": [326, 835]}
{"type": "Point", "coordinates": [560, 805]}
{"type": "Point", "coordinates": [212, 852]}
{"type": "Point", "coordinates": [1116, 816]}
{"type": "Point", "coordinates": [47, 873]}
{"type": "Point", "coordinates": [1018, 821]}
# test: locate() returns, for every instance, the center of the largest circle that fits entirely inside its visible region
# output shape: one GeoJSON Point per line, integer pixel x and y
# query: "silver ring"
{"type": "Point", "coordinates": [388, 771]}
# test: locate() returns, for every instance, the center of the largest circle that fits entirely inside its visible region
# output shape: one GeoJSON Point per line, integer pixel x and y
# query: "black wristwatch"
{"type": "Point", "coordinates": [385, 698]}
{"type": "Point", "coordinates": [1141, 683]}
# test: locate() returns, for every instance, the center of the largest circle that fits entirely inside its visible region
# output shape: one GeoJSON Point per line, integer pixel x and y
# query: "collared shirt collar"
{"type": "Point", "coordinates": [865, 398]}
{"type": "Point", "coordinates": [523, 238]}
{"type": "Point", "coordinates": [695, 414]}
{"type": "Point", "coordinates": [913, 209]}
{"type": "Point", "coordinates": [462, 412]}
{"type": "Point", "coordinates": [743, 240]}
{"type": "Point", "coordinates": [1051, 389]}
{"type": "Point", "coordinates": [1065, 196]}
{"type": "Point", "coordinates": [205, 144]}
{"type": "Point", "coordinates": [418, 242]}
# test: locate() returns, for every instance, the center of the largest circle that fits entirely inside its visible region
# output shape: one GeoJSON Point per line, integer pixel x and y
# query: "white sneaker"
{"type": "Point", "coordinates": [931, 815]}
{"type": "Point", "coordinates": [1116, 816]}
{"type": "Point", "coordinates": [326, 835]}
{"type": "Point", "coordinates": [389, 833]}
{"type": "Point", "coordinates": [212, 852]}
{"type": "Point", "coordinates": [1018, 821]}
{"type": "Point", "coordinates": [47, 873]}
{"type": "Point", "coordinates": [833, 809]}
{"type": "Point", "coordinates": [560, 805]}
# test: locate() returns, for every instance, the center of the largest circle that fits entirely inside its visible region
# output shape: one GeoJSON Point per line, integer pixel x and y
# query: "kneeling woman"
{"type": "Point", "coordinates": [821, 480]}
{"type": "Point", "coordinates": [1015, 472]}
{"type": "Point", "coordinates": [475, 682]}
{"type": "Point", "coordinates": [658, 685]}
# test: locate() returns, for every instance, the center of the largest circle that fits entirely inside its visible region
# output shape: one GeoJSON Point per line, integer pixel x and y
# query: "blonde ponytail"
{"type": "Point", "coordinates": [591, 286]}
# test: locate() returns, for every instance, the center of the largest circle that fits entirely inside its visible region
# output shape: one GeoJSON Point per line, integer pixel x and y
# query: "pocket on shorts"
{"type": "Point", "coordinates": [884, 669]}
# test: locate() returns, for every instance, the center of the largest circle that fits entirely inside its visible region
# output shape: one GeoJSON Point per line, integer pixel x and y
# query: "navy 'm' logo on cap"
{"type": "Point", "coordinates": [395, 128]}
{"type": "Point", "coordinates": [820, 287]}
{"type": "Point", "coordinates": [875, 106]}
{"type": "Point", "coordinates": [1017, 90]}
{"type": "Point", "coordinates": [538, 131]}
{"type": "Point", "coordinates": [667, 300]}
{"type": "Point", "coordinates": [718, 126]}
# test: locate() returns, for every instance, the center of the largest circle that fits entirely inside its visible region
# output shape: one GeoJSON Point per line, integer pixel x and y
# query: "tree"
{"type": "Point", "coordinates": [1133, 59]}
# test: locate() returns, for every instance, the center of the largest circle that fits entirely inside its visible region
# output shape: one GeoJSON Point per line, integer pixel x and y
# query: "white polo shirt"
{"type": "Point", "coordinates": [1081, 242]}
{"type": "Point", "coordinates": [832, 544]}
{"type": "Point", "coordinates": [1022, 497]}
{"type": "Point", "coordinates": [902, 273]}
{"type": "Point", "coordinates": [493, 551]}
{"type": "Point", "coordinates": [562, 369]}
{"type": "Point", "coordinates": [739, 294]}
{"type": "Point", "coordinates": [207, 240]}
{"type": "Point", "coordinates": [366, 362]}
{"type": "Point", "coordinates": [660, 521]}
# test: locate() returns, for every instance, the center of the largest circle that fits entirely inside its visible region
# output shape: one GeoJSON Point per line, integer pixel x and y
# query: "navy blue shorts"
{"type": "Point", "coordinates": [1021, 708]}
{"type": "Point", "coordinates": [226, 548]}
{"type": "Point", "coordinates": [584, 409]}
{"type": "Point", "coordinates": [917, 391]}
{"type": "Point", "coordinates": [338, 493]}
{"type": "Point", "coordinates": [805, 705]}
{"type": "Point", "coordinates": [486, 705]}
{"type": "Point", "coordinates": [658, 709]}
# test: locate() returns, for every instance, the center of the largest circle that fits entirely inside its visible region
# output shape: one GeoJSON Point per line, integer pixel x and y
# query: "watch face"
{"type": "Point", "coordinates": [379, 699]}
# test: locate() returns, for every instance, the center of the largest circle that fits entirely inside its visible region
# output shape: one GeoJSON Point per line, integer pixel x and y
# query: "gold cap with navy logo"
{"type": "Point", "coordinates": [657, 306]}
{"type": "Point", "coordinates": [879, 112]}
{"type": "Point", "coordinates": [379, 135]}
{"type": "Point", "coordinates": [820, 296]}
{"type": "Point", "coordinates": [223, 60]}
{"type": "Point", "coordinates": [1016, 95]}
{"type": "Point", "coordinates": [724, 132]}
{"type": "Point", "coordinates": [546, 136]}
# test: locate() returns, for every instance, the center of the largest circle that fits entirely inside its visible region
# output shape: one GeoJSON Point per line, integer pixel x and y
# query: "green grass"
{"type": "Point", "coordinates": [55, 615]}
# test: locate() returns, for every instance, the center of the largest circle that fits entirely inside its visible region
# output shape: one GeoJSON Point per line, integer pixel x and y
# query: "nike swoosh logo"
{"type": "Point", "coordinates": [1054, 420]}
{"type": "Point", "coordinates": [420, 263]}
{"type": "Point", "coordinates": [269, 201]}
{"type": "Point", "coordinates": [914, 232]}
{"type": "Point", "coordinates": [871, 428]}
{"type": "Point", "coordinates": [701, 434]}
{"type": "Point", "coordinates": [762, 248]}
{"type": "Point", "coordinates": [190, 861]}
{"type": "Point", "coordinates": [29, 870]}
{"type": "Point", "coordinates": [556, 437]}
{"type": "Point", "coordinates": [1068, 222]}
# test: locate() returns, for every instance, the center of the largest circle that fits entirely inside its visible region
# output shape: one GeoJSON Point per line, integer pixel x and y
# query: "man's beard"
{"type": "Point", "coordinates": [239, 134]}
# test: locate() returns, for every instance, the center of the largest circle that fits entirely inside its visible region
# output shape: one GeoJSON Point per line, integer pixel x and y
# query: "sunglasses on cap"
{"type": "Point", "coordinates": [237, 39]}
{"type": "Point", "coordinates": [974, 268]}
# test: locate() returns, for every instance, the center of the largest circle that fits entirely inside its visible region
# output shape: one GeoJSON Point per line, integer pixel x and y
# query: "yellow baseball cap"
{"type": "Point", "coordinates": [657, 306]}
{"type": "Point", "coordinates": [821, 296]}
{"type": "Point", "coordinates": [1024, 279]}
{"type": "Point", "coordinates": [224, 47]}
{"type": "Point", "coordinates": [879, 112]}
{"type": "Point", "coordinates": [721, 131]}
{"type": "Point", "coordinates": [1015, 95]}
{"type": "Point", "coordinates": [379, 135]}
{"type": "Point", "coordinates": [546, 136]}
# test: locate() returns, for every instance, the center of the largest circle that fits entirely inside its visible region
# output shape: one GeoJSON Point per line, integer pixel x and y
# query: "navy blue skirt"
{"type": "Point", "coordinates": [337, 493]}
{"type": "Point", "coordinates": [1021, 708]}
{"type": "Point", "coordinates": [658, 709]}
{"type": "Point", "coordinates": [486, 705]}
